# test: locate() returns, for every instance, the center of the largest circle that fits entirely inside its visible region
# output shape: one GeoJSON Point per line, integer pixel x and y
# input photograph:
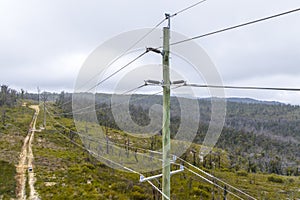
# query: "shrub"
{"type": "Point", "coordinates": [242, 173]}
{"type": "Point", "coordinates": [199, 192]}
{"type": "Point", "coordinates": [275, 179]}
{"type": "Point", "coordinates": [119, 186]}
{"type": "Point", "coordinates": [138, 196]}
{"type": "Point", "coordinates": [291, 180]}
{"type": "Point", "coordinates": [7, 183]}
{"type": "Point", "coordinates": [137, 189]}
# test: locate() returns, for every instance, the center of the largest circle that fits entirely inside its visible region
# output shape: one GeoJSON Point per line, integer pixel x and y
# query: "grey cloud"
{"type": "Point", "coordinates": [36, 35]}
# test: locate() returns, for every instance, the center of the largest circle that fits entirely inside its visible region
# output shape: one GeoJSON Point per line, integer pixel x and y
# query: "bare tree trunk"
{"type": "Point", "coordinates": [4, 117]}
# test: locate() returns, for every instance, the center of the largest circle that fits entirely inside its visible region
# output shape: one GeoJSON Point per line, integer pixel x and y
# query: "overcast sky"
{"type": "Point", "coordinates": [44, 43]}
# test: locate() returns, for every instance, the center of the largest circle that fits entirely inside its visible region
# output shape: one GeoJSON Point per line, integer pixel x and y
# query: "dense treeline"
{"type": "Point", "coordinates": [259, 136]}
{"type": "Point", "coordinates": [8, 96]}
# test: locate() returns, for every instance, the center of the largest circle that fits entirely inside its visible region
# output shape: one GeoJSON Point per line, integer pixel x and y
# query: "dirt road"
{"type": "Point", "coordinates": [25, 166]}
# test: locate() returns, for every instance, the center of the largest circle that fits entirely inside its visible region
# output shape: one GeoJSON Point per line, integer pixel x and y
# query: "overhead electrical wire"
{"type": "Point", "coordinates": [199, 86]}
{"type": "Point", "coordinates": [111, 75]}
{"type": "Point", "coordinates": [124, 167]}
{"type": "Point", "coordinates": [236, 26]}
{"type": "Point", "coordinates": [98, 140]}
{"type": "Point", "coordinates": [108, 101]}
{"type": "Point", "coordinates": [196, 85]}
{"type": "Point", "coordinates": [109, 106]}
{"type": "Point", "coordinates": [134, 89]}
{"type": "Point", "coordinates": [91, 106]}
{"type": "Point", "coordinates": [243, 87]}
{"type": "Point", "coordinates": [196, 37]}
{"type": "Point", "coordinates": [123, 54]}
{"type": "Point", "coordinates": [117, 71]}
{"type": "Point", "coordinates": [216, 178]}
{"type": "Point", "coordinates": [138, 41]}
{"type": "Point", "coordinates": [147, 150]}
{"type": "Point", "coordinates": [187, 8]}
{"type": "Point", "coordinates": [118, 164]}
{"type": "Point", "coordinates": [209, 181]}
{"type": "Point", "coordinates": [132, 46]}
{"type": "Point", "coordinates": [127, 50]}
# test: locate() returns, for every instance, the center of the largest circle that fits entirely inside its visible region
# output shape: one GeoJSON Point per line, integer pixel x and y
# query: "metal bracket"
{"type": "Point", "coordinates": [152, 82]}
{"type": "Point", "coordinates": [174, 158]}
{"type": "Point", "coordinates": [154, 50]}
{"type": "Point", "coordinates": [143, 179]}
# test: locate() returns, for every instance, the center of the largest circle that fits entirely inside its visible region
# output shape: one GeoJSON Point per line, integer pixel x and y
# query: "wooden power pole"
{"type": "Point", "coordinates": [166, 140]}
{"type": "Point", "coordinates": [166, 112]}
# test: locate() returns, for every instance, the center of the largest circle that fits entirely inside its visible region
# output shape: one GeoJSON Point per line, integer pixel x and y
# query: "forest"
{"type": "Point", "coordinates": [259, 136]}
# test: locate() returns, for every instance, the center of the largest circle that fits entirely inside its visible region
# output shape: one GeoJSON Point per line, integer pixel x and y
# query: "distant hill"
{"type": "Point", "coordinates": [253, 101]}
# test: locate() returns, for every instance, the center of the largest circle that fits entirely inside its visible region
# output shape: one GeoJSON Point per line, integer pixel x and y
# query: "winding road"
{"type": "Point", "coordinates": [25, 165]}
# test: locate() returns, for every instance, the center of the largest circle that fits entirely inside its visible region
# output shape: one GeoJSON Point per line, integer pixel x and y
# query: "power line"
{"type": "Point", "coordinates": [133, 45]}
{"type": "Point", "coordinates": [211, 176]}
{"type": "Point", "coordinates": [127, 50]}
{"type": "Point", "coordinates": [236, 26]}
{"type": "Point", "coordinates": [123, 54]}
{"type": "Point", "coordinates": [158, 189]}
{"type": "Point", "coordinates": [105, 142]}
{"type": "Point", "coordinates": [189, 39]}
{"type": "Point", "coordinates": [138, 99]}
{"type": "Point", "coordinates": [129, 63]}
{"type": "Point", "coordinates": [186, 85]}
{"type": "Point", "coordinates": [97, 155]}
{"type": "Point", "coordinates": [243, 87]}
{"type": "Point", "coordinates": [157, 152]}
{"type": "Point", "coordinates": [110, 106]}
{"type": "Point", "coordinates": [126, 92]}
{"type": "Point", "coordinates": [113, 74]}
{"type": "Point", "coordinates": [209, 181]}
{"type": "Point", "coordinates": [187, 8]}
{"type": "Point", "coordinates": [134, 89]}
{"type": "Point", "coordinates": [141, 39]}
{"type": "Point", "coordinates": [99, 140]}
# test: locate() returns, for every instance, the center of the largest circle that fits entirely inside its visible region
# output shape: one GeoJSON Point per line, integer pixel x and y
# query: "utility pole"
{"type": "Point", "coordinates": [38, 89]}
{"type": "Point", "coordinates": [44, 98]}
{"type": "Point", "coordinates": [166, 140]}
{"type": "Point", "coordinates": [166, 112]}
{"type": "Point", "coordinates": [44, 112]}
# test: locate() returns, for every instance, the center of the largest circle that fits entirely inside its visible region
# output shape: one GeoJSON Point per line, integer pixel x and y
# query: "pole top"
{"type": "Point", "coordinates": [168, 17]}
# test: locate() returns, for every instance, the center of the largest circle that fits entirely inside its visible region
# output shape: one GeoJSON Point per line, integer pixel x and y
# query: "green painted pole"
{"type": "Point", "coordinates": [166, 114]}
